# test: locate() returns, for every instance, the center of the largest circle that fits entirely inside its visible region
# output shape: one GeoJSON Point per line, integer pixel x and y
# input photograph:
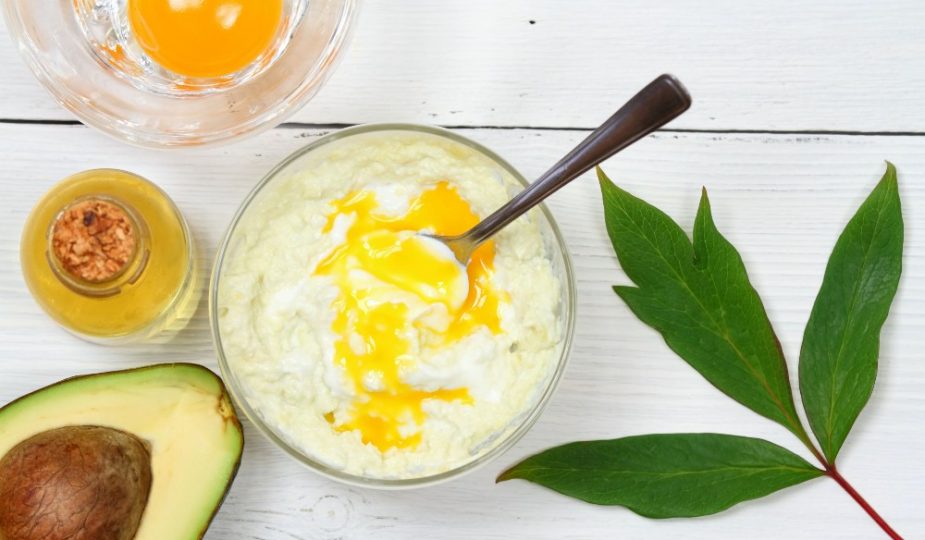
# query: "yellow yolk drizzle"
{"type": "Point", "coordinates": [204, 38]}
{"type": "Point", "coordinates": [372, 327]}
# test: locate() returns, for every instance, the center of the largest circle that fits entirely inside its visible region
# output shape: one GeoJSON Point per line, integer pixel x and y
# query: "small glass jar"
{"type": "Point", "coordinates": [108, 256]}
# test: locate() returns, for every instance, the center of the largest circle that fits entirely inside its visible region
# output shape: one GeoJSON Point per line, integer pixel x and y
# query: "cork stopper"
{"type": "Point", "coordinates": [93, 240]}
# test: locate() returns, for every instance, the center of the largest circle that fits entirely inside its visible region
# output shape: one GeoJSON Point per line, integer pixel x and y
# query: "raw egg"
{"type": "Point", "coordinates": [397, 294]}
{"type": "Point", "coordinates": [205, 38]}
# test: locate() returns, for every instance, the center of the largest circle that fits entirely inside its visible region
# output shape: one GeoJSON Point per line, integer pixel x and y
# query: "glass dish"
{"type": "Point", "coordinates": [83, 52]}
{"type": "Point", "coordinates": [555, 249]}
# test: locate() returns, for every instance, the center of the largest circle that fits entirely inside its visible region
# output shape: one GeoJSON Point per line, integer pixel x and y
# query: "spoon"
{"type": "Point", "coordinates": [661, 101]}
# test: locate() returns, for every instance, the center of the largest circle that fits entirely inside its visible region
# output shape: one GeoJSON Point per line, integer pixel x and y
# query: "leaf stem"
{"type": "Point", "coordinates": [834, 474]}
{"type": "Point", "coordinates": [808, 443]}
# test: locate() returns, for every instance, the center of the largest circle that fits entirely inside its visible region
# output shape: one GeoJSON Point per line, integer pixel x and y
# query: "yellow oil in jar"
{"type": "Point", "coordinates": [151, 293]}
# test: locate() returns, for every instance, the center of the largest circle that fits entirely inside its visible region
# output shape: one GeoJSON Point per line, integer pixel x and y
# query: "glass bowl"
{"type": "Point", "coordinates": [84, 53]}
{"type": "Point", "coordinates": [555, 250]}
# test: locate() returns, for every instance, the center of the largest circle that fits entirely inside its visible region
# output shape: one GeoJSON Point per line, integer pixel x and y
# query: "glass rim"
{"type": "Point", "coordinates": [112, 125]}
{"type": "Point", "coordinates": [510, 438]}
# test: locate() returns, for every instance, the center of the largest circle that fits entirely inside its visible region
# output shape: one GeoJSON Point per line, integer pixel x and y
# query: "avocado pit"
{"type": "Point", "coordinates": [74, 483]}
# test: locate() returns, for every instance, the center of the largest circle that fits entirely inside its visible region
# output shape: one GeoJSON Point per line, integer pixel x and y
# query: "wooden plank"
{"type": "Point", "coordinates": [781, 199]}
{"type": "Point", "coordinates": [778, 65]}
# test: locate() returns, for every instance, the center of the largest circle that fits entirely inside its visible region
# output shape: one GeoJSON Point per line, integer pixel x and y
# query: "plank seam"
{"type": "Point", "coordinates": [308, 125]}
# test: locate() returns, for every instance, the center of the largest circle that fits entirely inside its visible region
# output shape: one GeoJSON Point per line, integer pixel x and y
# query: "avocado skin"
{"type": "Point", "coordinates": [231, 419]}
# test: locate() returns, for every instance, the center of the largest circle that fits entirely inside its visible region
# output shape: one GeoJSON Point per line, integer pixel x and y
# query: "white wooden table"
{"type": "Point", "coordinates": [797, 105]}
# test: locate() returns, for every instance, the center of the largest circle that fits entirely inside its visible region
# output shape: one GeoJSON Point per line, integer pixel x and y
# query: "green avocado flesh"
{"type": "Point", "coordinates": [182, 415]}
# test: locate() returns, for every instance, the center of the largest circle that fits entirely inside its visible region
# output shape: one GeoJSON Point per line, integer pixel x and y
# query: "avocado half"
{"type": "Point", "coordinates": [180, 412]}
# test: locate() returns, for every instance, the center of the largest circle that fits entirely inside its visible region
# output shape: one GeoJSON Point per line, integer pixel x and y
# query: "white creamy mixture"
{"type": "Point", "coordinates": [277, 311]}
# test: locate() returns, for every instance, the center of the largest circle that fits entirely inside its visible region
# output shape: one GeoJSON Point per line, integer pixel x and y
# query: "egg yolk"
{"type": "Point", "coordinates": [381, 262]}
{"type": "Point", "coordinates": [204, 38]}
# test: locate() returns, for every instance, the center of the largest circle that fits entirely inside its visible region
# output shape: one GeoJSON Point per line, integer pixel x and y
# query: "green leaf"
{"type": "Point", "coordinates": [663, 476]}
{"type": "Point", "coordinates": [838, 360]}
{"type": "Point", "coordinates": [699, 298]}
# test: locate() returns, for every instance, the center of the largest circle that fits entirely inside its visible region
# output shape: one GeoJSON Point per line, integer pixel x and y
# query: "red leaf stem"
{"type": "Point", "coordinates": [833, 472]}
